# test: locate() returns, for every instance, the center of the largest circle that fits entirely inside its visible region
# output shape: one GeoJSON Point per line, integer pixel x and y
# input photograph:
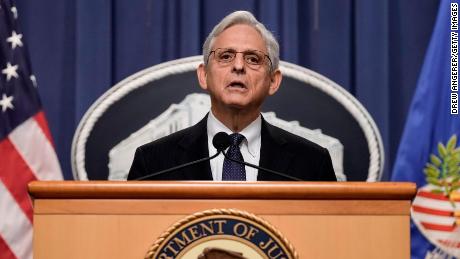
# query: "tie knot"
{"type": "Point", "coordinates": [236, 139]}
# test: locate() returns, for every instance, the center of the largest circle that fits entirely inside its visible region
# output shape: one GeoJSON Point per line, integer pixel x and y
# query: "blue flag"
{"type": "Point", "coordinates": [430, 120]}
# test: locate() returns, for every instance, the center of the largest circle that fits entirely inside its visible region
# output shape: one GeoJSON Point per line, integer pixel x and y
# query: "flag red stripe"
{"type": "Point", "coordinates": [5, 251]}
{"type": "Point", "coordinates": [432, 211]}
{"type": "Point", "coordinates": [16, 175]}
{"type": "Point", "coordinates": [431, 195]}
{"type": "Point", "coordinates": [42, 122]}
{"type": "Point", "coordinates": [431, 226]}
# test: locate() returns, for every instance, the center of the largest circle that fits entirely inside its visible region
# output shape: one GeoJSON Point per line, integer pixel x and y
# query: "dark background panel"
{"type": "Point", "coordinates": [315, 109]}
{"type": "Point", "coordinates": [131, 113]}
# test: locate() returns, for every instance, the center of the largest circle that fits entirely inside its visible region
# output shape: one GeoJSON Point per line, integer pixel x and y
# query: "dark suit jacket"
{"type": "Point", "coordinates": [280, 151]}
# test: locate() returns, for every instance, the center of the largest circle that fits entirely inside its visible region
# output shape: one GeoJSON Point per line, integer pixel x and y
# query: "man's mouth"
{"type": "Point", "coordinates": [237, 84]}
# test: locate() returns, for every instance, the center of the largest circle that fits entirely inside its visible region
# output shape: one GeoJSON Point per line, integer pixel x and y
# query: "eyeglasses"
{"type": "Point", "coordinates": [253, 58]}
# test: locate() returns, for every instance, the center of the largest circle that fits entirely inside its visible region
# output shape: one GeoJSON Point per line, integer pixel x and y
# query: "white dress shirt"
{"type": "Point", "coordinates": [249, 147]}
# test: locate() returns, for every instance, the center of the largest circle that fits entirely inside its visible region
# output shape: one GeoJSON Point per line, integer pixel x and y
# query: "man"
{"type": "Point", "coordinates": [239, 71]}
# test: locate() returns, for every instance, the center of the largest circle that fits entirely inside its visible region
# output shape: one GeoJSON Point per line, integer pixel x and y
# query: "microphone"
{"type": "Point", "coordinates": [220, 141]}
{"type": "Point", "coordinates": [255, 166]}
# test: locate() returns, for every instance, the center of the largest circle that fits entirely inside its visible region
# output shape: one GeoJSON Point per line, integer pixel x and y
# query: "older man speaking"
{"type": "Point", "coordinates": [239, 70]}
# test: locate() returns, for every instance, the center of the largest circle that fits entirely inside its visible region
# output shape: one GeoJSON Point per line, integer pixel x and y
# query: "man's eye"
{"type": "Point", "coordinates": [252, 58]}
{"type": "Point", "coordinates": [226, 56]}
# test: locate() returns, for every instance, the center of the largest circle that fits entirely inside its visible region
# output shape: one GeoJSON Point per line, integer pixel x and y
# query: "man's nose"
{"type": "Point", "coordinates": [238, 63]}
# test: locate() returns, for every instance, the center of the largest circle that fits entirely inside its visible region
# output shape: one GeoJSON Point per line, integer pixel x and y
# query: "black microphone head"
{"type": "Point", "coordinates": [221, 141]}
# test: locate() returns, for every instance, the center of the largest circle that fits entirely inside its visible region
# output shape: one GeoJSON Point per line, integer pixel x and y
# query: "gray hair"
{"type": "Point", "coordinates": [244, 17]}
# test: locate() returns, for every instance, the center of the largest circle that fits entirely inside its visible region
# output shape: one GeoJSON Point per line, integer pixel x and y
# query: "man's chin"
{"type": "Point", "coordinates": [236, 102]}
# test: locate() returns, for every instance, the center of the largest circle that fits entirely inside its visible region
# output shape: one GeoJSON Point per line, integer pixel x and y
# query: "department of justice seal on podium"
{"type": "Point", "coordinates": [222, 234]}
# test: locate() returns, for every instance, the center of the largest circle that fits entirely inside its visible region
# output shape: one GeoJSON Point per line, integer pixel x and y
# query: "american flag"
{"type": "Point", "coordinates": [26, 148]}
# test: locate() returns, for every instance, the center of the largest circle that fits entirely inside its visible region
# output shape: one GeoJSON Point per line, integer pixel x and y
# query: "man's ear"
{"type": "Point", "coordinates": [201, 74]}
{"type": "Point", "coordinates": [275, 81]}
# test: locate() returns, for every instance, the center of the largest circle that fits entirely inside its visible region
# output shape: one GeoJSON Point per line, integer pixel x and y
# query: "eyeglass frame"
{"type": "Point", "coordinates": [242, 52]}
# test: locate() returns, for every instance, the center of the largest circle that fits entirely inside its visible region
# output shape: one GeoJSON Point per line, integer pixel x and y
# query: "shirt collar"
{"type": "Point", "coordinates": [251, 132]}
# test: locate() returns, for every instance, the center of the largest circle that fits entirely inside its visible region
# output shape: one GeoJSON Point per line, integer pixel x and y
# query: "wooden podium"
{"type": "Point", "coordinates": [102, 219]}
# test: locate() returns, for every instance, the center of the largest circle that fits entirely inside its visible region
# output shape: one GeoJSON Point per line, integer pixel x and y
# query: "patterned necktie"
{"type": "Point", "coordinates": [233, 171]}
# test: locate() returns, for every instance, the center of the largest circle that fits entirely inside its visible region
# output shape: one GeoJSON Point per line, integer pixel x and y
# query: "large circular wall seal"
{"type": "Point", "coordinates": [222, 234]}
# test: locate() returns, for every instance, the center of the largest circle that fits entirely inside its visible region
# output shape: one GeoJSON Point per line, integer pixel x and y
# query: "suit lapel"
{"type": "Point", "coordinates": [194, 146]}
{"type": "Point", "coordinates": [273, 154]}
